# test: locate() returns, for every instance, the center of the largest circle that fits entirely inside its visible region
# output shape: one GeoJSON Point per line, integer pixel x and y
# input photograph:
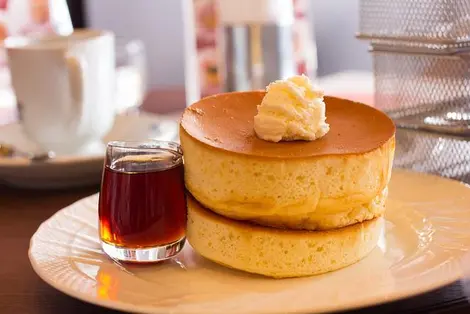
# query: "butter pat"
{"type": "Point", "coordinates": [292, 109]}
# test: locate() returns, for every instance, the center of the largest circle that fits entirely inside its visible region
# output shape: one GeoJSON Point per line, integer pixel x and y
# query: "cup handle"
{"type": "Point", "coordinates": [76, 75]}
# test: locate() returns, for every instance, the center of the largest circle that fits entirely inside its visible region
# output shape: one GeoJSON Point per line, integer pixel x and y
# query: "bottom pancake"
{"type": "Point", "coordinates": [275, 252]}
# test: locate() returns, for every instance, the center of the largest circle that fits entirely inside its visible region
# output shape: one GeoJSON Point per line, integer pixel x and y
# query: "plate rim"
{"type": "Point", "coordinates": [123, 306]}
{"type": "Point", "coordinates": [354, 305]}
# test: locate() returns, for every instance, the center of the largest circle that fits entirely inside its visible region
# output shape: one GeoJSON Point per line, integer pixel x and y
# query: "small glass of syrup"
{"type": "Point", "coordinates": [142, 204]}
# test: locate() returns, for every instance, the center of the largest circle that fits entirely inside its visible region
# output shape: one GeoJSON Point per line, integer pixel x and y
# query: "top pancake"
{"type": "Point", "coordinates": [225, 121]}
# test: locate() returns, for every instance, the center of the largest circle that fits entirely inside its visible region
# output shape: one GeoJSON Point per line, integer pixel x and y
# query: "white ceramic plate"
{"type": "Point", "coordinates": [80, 169]}
{"type": "Point", "coordinates": [427, 233]}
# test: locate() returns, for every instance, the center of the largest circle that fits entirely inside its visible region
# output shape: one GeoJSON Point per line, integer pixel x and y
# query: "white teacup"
{"type": "Point", "coordinates": [65, 87]}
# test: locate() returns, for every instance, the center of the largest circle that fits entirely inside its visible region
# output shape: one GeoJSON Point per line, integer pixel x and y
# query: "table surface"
{"type": "Point", "coordinates": [22, 291]}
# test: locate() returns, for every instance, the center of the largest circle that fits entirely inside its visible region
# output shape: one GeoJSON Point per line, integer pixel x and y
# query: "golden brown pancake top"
{"type": "Point", "coordinates": [225, 121]}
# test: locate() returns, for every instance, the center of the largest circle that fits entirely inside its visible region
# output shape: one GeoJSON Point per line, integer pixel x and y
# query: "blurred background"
{"type": "Point", "coordinates": [171, 52]}
{"type": "Point", "coordinates": [158, 24]}
{"type": "Point", "coordinates": [167, 54]}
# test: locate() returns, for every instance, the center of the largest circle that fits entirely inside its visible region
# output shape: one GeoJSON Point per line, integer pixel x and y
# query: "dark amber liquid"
{"type": "Point", "coordinates": [142, 208]}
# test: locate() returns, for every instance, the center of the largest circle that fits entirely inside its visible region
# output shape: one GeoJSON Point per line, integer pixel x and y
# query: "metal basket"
{"type": "Point", "coordinates": [428, 97]}
{"type": "Point", "coordinates": [421, 53]}
{"type": "Point", "coordinates": [434, 153]}
{"type": "Point", "coordinates": [416, 22]}
{"type": "Point", "coordinates": [424, 91]}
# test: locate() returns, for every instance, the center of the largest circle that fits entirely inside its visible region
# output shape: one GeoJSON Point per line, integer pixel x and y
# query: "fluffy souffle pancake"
{"type": "Point", "coordinates": [276, 252]}
{"type": "Point", "coordinates": [334, 181]}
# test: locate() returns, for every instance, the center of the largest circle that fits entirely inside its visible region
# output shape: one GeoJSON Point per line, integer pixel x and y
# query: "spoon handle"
{"type": "Point", "coordinates": [9, 151]}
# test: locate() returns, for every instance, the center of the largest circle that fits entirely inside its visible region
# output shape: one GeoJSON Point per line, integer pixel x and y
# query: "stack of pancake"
{"type": "Point", "coordinates": [286, 209]}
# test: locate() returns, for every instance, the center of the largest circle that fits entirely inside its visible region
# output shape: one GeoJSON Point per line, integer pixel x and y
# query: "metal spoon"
{"type": "Point", "coordinates": [7, 150]}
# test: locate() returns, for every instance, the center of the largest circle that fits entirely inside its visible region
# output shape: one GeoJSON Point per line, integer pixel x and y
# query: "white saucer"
{"type": "Point", "coordinates": [427, 234]}
{"type": "Point", "coordinates": [65, 171]}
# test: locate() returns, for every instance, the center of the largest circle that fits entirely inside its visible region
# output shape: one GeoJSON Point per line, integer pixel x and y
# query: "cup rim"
{"type": "Point", "coordinates": [21, 42]}
{"type": "Point", "coordinates": [148, 145]}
